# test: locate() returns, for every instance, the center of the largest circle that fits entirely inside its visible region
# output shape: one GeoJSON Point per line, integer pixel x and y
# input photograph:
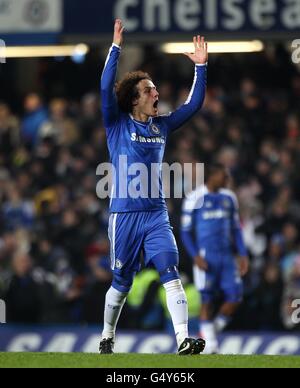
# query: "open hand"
{"type": "Point", "coordinates": [200, 57]}
{"type": "Point", "coordinates": [118, 32]}
{"type": "Point", "coordinates": [201, 263]}
{"type": "Point", "coordinates": [243, 264]}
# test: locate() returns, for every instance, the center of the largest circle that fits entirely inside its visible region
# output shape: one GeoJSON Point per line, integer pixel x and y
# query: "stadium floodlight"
{"type": "Point", "coordinates": [46, 51]}
{"type": "Point", "coordinates": [216, 47]}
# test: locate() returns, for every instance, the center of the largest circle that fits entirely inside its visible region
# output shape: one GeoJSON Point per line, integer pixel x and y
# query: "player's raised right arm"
{"type": "Point", "coordinates": [109, 100]}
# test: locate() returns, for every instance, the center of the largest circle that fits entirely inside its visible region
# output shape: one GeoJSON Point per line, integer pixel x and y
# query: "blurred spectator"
{"type": "Point", "coordinates": [291, 293]}
{"type": "Point", "coordinates": [17, 212]}
{"type": "Point", "coordinates": [70, 236]}
{"type": "Point", "coordinates": [35, 116]}
{"type": "Point", "coordinates": [90, 115]}
{"type": "Point", "coordinates": [9, 134]}
{"type": "Point", "coordinates": [60, 127]}
{"type": "Point", "coordinates": [22, 295]}
{"type": "Point", "coordinates": [277, 248]}
{"type": "Point", "coordinates": [99, 277]}
{"type": "Point", "coordinates": [268, 297]}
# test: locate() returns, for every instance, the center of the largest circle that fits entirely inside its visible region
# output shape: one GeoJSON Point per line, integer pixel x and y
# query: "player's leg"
{"type": "Point", "coordinates": [162, 252]}
{"type": "Point", "coordinates": [225, 315]}
{"type": "Point", "coordinates": [167, 265]}
{"type": "Point", "coordinates": [114, 303]}
{"type": "Point", "coordinates": [232, 287]}
{"type": "Point", "coordinates": [206, 283]}
{"type": "Point", "coordinates": [126, 236]}
{"type": "Point", "coordinates": [208, 332]}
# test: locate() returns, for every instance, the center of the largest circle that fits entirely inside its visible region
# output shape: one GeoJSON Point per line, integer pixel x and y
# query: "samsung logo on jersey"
{"type": "Point", "coordinates": [143, 139]}
{"type": "Point", "coordinates": [215, 214]}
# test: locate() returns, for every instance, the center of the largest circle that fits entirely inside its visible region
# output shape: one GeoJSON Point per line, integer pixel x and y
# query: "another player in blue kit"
{"type": "Point", "coordinates": [135, 130]}
{"type": "Point", "coordinates": [212, 235]}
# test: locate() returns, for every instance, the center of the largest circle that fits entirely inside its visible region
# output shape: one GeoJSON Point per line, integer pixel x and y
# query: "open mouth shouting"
{"type": "Point", "coordinates": [155, 106]}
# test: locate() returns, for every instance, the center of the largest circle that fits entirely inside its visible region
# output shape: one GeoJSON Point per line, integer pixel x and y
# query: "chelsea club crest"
{"type": "Point", "coordinates": [226, 204]}
{"type": "Point", "coordinates": [154, 129]}
{"type": "Point", "coordinates": [118, 264]}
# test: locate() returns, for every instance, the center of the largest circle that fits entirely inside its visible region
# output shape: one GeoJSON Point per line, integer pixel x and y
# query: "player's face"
{"type": "Point", "coordinates": [147, 103]}
{"type": "Point", "coordinates": [221, 179]}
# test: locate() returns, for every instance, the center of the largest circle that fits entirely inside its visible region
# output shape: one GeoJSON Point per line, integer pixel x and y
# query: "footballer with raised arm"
{"type": "Point", "coordinates": [141, 225]}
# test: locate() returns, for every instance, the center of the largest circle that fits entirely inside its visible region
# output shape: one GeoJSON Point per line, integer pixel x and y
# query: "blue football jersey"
{"type": "Point", "coordinates": [132, 143]}
{"type": "Point", "coordinates": [210, 222]}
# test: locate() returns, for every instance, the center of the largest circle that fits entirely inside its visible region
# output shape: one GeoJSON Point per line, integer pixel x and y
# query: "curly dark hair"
{"type": "Point", "coordinates": [127, 90]}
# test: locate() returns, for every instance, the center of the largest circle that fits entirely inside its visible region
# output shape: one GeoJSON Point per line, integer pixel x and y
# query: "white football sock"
{"type": "Point", "coordinates": [114, 303]}
{"type": "Point", "coordinates": [221, 322]}
{"type": "Point", "coordinates": [178, 308]}
{"type": "Point", "coordinates": [208, 332]}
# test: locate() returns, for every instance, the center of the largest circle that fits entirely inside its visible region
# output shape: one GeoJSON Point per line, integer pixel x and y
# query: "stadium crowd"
{"type": "Point", "coordinates": [54, 253]}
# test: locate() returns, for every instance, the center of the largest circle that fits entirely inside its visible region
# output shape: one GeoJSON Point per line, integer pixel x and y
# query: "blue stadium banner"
{"type": "Point", "coordinates": [30, 16]}
{"type": "Point", "coordinates": [86, 340]}
{"type": "Point", "coordinates": [30, 21]}
{"type": "Point", "coordinates": [255, 17]}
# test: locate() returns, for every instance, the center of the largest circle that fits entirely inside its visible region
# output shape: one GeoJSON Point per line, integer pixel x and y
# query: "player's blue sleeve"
{"type": "Point", "coordinates": [237, 231]}
{"type": "Point", "coordinates": [110, 107]}
{"type": "Point", "coordinates": [189, 243]}
{"type": "Point", "coordinates": [240, 244]}
{"type": "Point", "coordinates": [186, 230]}
{"type": "Point", "coordinates": [193, 104]}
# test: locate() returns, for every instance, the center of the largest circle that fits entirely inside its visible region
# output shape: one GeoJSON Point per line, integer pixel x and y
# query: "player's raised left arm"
{"type": "Point", "coordinates": [197, 94]}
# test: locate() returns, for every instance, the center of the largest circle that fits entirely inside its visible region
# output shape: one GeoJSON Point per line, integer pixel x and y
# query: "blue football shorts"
{"type": "Point", "coordinates": [222, 276]}
{"type": "Point", "coordinates": [149, 233]}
